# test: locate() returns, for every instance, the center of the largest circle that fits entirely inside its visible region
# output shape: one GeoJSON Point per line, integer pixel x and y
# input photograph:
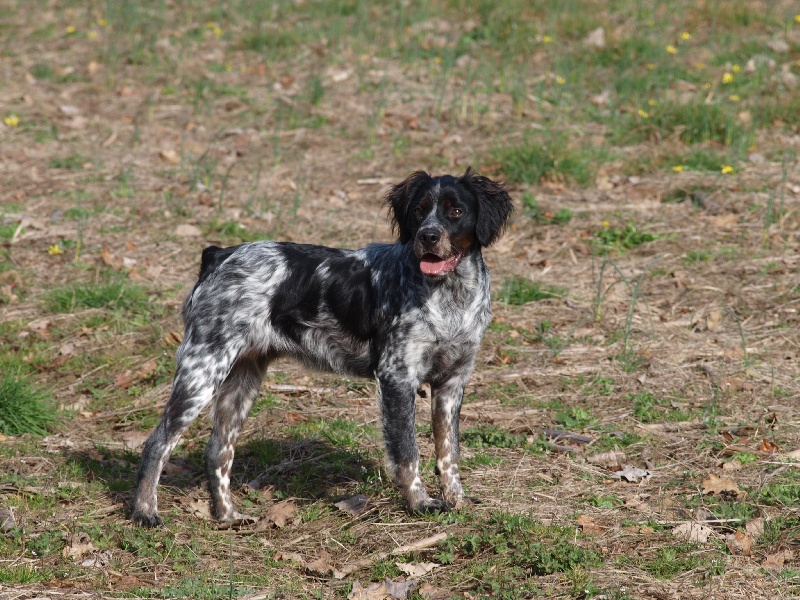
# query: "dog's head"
{"type": "Point", "coordinates": [448, 217]}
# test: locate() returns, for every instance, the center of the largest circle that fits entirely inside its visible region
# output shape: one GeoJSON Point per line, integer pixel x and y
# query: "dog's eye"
{"type": "Point", "coordinates": [456, 213]}
{"type": "Point", "coordinates": [418, 212]}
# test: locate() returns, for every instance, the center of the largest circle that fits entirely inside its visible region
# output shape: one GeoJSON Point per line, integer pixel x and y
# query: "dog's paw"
{"type": "Point", "coordinates": [146, 520]}
{"type": "Point", "coordinates": [427, 505]}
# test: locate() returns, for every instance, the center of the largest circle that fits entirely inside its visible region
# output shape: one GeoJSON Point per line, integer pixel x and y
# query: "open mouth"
{"type": "Point", "coordinates": [430, 264]}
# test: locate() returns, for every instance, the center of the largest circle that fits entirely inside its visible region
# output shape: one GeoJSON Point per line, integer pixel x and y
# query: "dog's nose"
{"type": "Point", "coordinates": [429, 237]}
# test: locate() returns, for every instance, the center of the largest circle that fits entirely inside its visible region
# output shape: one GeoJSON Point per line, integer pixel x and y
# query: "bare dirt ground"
{"type": "Point", "coordinates": [633, 434]}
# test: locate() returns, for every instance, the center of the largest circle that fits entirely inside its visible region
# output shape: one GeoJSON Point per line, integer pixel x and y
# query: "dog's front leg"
{"type": "Point", "coordinates": [398, 400]}
{"type": "Point", "coordinates": [446, 400]}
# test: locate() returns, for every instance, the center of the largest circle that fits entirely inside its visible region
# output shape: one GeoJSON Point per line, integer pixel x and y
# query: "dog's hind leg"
{"type": "Point", "coordinates": [199, 374]}
{"type": "Point", "coordinates": [231, 406]}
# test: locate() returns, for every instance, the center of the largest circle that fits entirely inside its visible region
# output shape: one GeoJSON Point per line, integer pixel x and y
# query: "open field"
{"type": "Point", "coordinates": [632, 430]}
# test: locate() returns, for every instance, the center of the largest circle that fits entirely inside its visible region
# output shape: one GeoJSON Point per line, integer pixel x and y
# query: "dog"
{"type": "Point", "coordinates": [406, 313]}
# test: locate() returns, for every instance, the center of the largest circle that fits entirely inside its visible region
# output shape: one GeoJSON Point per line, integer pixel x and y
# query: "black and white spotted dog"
{"type": "Point", "coordinates": [405, 313]}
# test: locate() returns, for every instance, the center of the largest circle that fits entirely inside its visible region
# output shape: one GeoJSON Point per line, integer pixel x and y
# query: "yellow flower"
{"type": "Point", "coordinates": [92, 35]}
{"type": "Point", "coordinates": [217, 31]}
{"type": "Point", "coordinates": [652, 102]}
{"type": "Point", "coordinates": [546, 39]}
{"type": "Point", "coordinates": [11, 120]}
{"type": "Point", "coordinates": [728, 77]}
{"type": "Point", "coordinates": [797, 18]}
{"type": "Point", "coordinates": [727, 169]}
{"type": "Point", "coordinates": [671, 49]}
{"type": "Point", "coordinates": [650, 66]}
{"type": "Point", "coordinates": [677, 168]}
{"type": "Point", "coordinates": [685, 35]}
{"type": "Point", "coordinates": [643, 113]}
{"type": "Point", "coordinates": [70, 29]}
{"type": "Point", "coordinates": [606, 224]}
{"type": "Point", "coordinates": [736, 68]}
{"type": "Point", "coordinates": [102, 22]}
{"type": "Point", "coordinates": [560, 80]}
{"type": "Point", "coordinates": [707, 85]}
{"type": "Point", "coordinates": [734, 98]}
{"type": "Point", "coordinates": [437, 60]}
{"type": "Point", "coordinates": [54, 250]}
{"type": "Point", "coordinates": [228, 67]}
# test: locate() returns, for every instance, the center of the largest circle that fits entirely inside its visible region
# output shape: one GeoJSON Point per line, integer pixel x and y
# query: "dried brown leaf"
{"type": "Point", "coordinates": [720, 485]}
{"type": "Point", "coordinates": [740, 543]}
{"type": "Point", "coordinates": [354, 505]}
{"type": "Point", "coordinates": [693, 532]}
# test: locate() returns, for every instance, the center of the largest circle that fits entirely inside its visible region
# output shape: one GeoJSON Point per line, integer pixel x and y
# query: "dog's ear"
{"type": "Point", "coordinates": [494, 206]}
{"type": "Point", "coordinates": [398, 199]}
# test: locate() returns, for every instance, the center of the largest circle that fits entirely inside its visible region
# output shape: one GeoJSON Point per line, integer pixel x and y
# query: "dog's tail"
{"type": "Point", "coordinates": [212, 258]}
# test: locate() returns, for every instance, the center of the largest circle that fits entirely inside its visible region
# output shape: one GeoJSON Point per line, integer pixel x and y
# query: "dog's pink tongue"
{"type": "Point", "coordinates": [431, 264]}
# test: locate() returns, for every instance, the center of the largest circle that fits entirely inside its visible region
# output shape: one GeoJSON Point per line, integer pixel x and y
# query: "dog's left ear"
{"type": "Point", "coordinates": [494, 206]}
{"type": "Point", "coordinates": [399, 197]}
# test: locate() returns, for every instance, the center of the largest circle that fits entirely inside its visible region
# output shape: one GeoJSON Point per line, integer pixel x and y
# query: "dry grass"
{"type": "Point", "coordinates": [673, 335]}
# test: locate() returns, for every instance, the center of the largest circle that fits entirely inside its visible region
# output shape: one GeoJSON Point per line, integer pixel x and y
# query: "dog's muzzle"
{"type": "Point", "coordinates": [436, 257]}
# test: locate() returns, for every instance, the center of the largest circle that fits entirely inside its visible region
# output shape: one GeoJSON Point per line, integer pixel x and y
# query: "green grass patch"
{"type": "Point", "coordinates": [491, 436]}
{"type": "Point", "coordinates": [542, 216]}
{"type": "Point", "coordinates": [648, 408]}
{"type": "Point", "coordinates": [521, 290]}
{"type": "Point", "coordinates": [609, 239]}
{"type": "Point", "coordinates": [536, 161]}
{"type": "Point", "coordinates": [72, 162]}
{"type": "Point", "coordinates": [113, 295]}
{"type": "Point", "coordinates": [504, 555]}
{"type": "Point", "coordinates": [24, 408]}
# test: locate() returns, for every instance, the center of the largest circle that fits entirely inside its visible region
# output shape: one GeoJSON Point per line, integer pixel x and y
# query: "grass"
{"type": "Point", "coordinates": [115, 295]}
{"type": "Point", "coordinates": [521, 290]}
{"type": "Point", "coordinates": [507, 553]}
{"type": "Point", "coordinates": [23, 407]}
{"type": "Point", "coordinates": [289, 118]}
{"type": "Point", "coordinates": [610, 239]}
{"type": "Point", "coordinates": [540, 160]}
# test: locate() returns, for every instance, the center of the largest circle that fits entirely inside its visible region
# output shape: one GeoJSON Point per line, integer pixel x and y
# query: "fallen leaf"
{"type": "Point", "coordinates": [733, 465]}
{"type": "Point", "coordinates": [632, 474]}
{"type": "Point", "coordinates": [173, 338]}
{"type": "Point", "coordinates": [197, 507]}
{"type": "Point", "coordinates": [768, 447]}
{"type": "Point", "coordinates": [186, 230]}
{"type": "Point", "coordinates": [278, 514]}
{"type": "Point", "coordinates": [692, 532]}
{"type": "Point", "coordinates": [739, 543]}
{"type": "Point", "coordinates": [777, 560]}
{"type": "Point", "coordinates": [147, 369]}
{"type": "Point", "coordinates": [171, 156]}
{"type": "Point", "coordinates": [613, 459]}
{"type": "Point", "coordinates": [755, 528]}
{"type": "Point", "coordinates": [78, 544]}
{"type": "Point", "coordinates": [123, 381]}
{"type": "Point", "coordinates": [416, 569]}
{"type": "Point", "coordinates": [7, 522]}
{"type": "Point", "coordinates": [720, 485]}
{"type": "Point", "coordinates": [321, 565]}
{"type": "Point", "coordinates": [588, 525]}
{"type": "Point", "coordinates": [380, 591]}
{"type": "Point", "coordinates": [596, 39]}
{"type": "Point", "coordinates": [133, 439]}
{"type": "Point", "coordinates": [101, 559]}
{"type": "Point", "coordinates": [429, 592]}
{"type": "Point", "coordinates": [354, 505]}
{"type": "Point", "coordinates": [714, 320]}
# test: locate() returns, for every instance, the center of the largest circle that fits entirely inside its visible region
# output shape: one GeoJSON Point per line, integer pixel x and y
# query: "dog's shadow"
{"type": "Point", "coordinates": [308, 469]}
